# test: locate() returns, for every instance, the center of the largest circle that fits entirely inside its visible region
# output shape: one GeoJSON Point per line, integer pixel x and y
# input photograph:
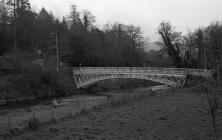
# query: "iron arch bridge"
{"type": "Point", "coordinates": [176, 77]}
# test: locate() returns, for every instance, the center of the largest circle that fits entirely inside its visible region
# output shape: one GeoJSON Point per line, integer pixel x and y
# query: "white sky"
{"type": "Point", "coordinates": [183, 14]}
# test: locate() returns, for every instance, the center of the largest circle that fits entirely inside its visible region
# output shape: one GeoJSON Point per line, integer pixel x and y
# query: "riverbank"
{"type": "Point", "coordinates": [18, 118]}
{"type": "Point", "coordinates": [164, 115]}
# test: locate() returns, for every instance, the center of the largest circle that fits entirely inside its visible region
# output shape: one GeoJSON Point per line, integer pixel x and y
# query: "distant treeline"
{"type": "Point", "coordinates": [26, 36]}
{"type": "Point", "coordinates": [80, 41]}
{"type": "Point", "coordinates": [201, 48]}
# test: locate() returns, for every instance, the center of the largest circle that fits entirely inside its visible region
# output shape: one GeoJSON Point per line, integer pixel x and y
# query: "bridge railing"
{"type": "Point", "coordinates": [139, 70]}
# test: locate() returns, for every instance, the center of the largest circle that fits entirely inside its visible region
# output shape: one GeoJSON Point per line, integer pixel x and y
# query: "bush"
{"type": "Point", "coordinates": [32, 79]}
{"type": "Point", "coordinates": [84, 112]}
{"type": "Point", "coordinates": [33, 124]}
{"type": "Point", "coordinates": [15, 131]}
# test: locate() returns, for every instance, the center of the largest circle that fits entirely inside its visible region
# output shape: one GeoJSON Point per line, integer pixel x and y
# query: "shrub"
{"type": "Point", "coordinates": [31, 79]}
{"type": "Point", "coordinates": [84, 112]}
{"type": "Point", "coordinates": [33, 124]}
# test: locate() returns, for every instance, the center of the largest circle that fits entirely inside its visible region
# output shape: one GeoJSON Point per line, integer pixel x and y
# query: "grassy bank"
{"type": "Point", "coordinates": [171, 115]}
{"type": "Point", "coordinates": [36, 122]}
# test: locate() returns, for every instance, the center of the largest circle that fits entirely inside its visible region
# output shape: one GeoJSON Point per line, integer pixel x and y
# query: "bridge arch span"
{"type": "Point", "coordinates": [85, 76]}
{"type": "Point", "coordinates": [86, 80]}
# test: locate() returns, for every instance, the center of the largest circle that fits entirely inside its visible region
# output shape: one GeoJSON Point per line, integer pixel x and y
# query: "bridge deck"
{"type": "Point", "coordinates": [140, 70]}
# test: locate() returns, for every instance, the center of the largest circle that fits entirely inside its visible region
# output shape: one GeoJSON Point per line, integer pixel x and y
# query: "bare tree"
{"type": "Point", "coordinates": [213, 103]}
{"type": "Point", "coordinates": [190, 50]}
{"type": "Point", "coordinates": [88, 19]}
{"type": "Point", "coordinates": [214, 43]}
{"type": "Point", "coordinates": [199, 40]}
{"type": "Point", "coordinates": [171, 41]}
{"type": "Point", "coordinates": [75, 15]}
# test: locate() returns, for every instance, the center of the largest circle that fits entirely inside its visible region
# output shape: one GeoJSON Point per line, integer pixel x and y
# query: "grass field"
{"type": "Point", "coordinates": [164, 115]}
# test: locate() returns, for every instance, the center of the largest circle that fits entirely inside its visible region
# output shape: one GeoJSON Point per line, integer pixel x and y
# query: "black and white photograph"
{"type": "Point", "coordinates": [110, 70]}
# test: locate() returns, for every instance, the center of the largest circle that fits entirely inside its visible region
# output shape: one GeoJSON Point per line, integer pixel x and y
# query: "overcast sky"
{"type": "Point", "coordinates": [183, 14]}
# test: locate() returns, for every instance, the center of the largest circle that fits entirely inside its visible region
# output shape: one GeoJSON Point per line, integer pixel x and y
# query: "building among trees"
{"type": "Point", "coordinates": [43, 14]}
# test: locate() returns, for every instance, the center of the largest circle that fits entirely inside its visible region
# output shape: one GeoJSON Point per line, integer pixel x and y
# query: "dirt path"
{"type": "Point", "coordinates": [162, 116]}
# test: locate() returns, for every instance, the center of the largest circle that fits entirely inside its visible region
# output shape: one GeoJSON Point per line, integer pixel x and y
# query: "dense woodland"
{"type": "Point", "coordinates": [81, 43]}
{"type": "Point", "coordinates": [27, 36]}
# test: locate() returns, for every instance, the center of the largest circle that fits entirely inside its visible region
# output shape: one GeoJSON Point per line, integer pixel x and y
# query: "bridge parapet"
{"type": "Point", "coordinates": [140, 70]}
